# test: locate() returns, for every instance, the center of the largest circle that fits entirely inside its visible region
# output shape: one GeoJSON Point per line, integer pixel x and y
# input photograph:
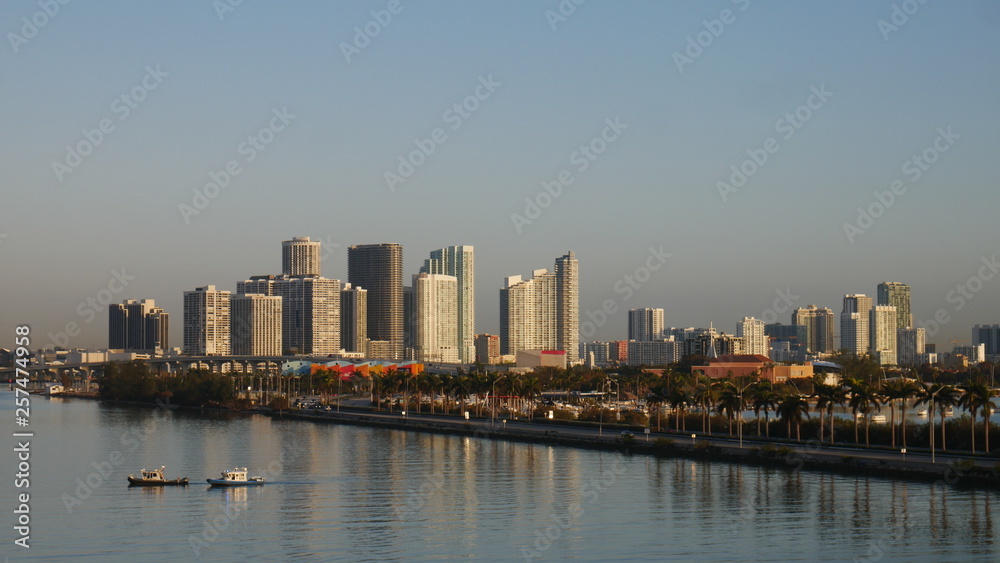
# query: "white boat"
{"type": "Point", "coordinates": [235, 478]}
{"type": "Point", "coordinates": [949, 411]}
{"type": "Point", "coordinates": [878, 418]}
{"type": "Point", "coordinates": [922, 412]}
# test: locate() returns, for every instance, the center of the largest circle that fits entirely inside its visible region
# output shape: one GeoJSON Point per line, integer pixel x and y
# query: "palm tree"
{"type": "Point", "coordinates": [531, 388]}
{"type": "Point", "coordinates": [764, 398]}
{"type": "Point", "coordinates": [894, 391]}
{"type": "Point", "coordinates": [655, 399]}
{"type": "Point", "coordinates": [730, 403]}
{"type": "Point", "coordinates": [978, 398]}
{"type": "Point", "coordinates": [679, 399]}
{"type": "Point", "coordinates": [704, 395]}
{"type": "Point", "coordinates": [824, 394]}
{"type": "Point", "coordinates": [864, 399]}
{"type": "Point", "coordinates": [938, 397]}
{"type": "Point", "coordinates": [791, 408]}
{"type": "Point", "coordinates": [910, 390]}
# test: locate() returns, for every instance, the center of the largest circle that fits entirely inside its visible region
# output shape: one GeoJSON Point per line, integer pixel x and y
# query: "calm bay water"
{"type": "Point", "coordinates": [344, 493]}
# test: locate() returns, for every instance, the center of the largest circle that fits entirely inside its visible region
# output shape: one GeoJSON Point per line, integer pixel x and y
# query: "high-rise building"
{"type": "Point", "coordinates": [910, 343]}
{"type": "Point", "coordinates": [988, 336]}
{"type": "Point", "coordinates": [310, 314]}
{"type": "Point", "coordinates": [138, 325]}
{"type": "Point", "coordinates": [409, 321]}
{"type": "Point", "coordinates": [488, 349]}
{"type": "Point", "coordinates": [883, 328]}
{"type": "Point", "coordinates": [618, 351]}
{"type": "Point", "coordinates": [354, 319]}
{"type": "Point", "coordinates": [658, 352]}
{"type": "Point", "coordinates": [600, 350]}
{"type": "Point", "coordinates": [755, 341]}
{"type": "Point", "coordinates": [379, 269]}
{"type": "Point", "coordinates": [301, 257]}
{"type": "Point", "coordinates": [437, 318]}
{"type": "Point", "coordinates": [819, 327]}
{"type": "Point", "coordinates": [794, 336]}
{"type": "Point", "coordinates": [854, 319]}
{"type": "Point", "coordinates": [542, 313]}
{"type": "Point", "coordinates": [645, 324]}
{"type": "Point", "coordinates": [255, 325]}
{"type": "Point", "coordinates": [568, 305]}
{"type": "Point", "coordinates": [206, 322]}
{"type": "Point", "coordinates": [898, 295]}
{"type": "Point", "coordinates": [460, 262]}
{"type": "Point", "coordinates": [310, 311]}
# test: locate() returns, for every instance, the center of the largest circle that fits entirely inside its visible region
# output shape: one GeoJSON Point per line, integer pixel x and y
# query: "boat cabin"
{"type": "Point", "coordinates": [154, 474]}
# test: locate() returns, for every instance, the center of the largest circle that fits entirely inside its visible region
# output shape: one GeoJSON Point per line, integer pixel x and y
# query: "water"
{"type": "Point", "coordinates": [343, 493]}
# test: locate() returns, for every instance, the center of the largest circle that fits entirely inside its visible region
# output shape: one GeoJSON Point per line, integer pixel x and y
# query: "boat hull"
{"type": "Point", "coordinates": [230, 483]}
{"type": "Point", "coordinates": [132, 481]}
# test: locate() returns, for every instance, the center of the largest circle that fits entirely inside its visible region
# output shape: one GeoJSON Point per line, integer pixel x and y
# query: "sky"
{"type": "Point", "coordinates": [718, 159]}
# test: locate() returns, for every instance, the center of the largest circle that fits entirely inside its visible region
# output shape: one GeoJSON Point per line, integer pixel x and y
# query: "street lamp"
{"type": "Point", "coordinates": [742, 389]}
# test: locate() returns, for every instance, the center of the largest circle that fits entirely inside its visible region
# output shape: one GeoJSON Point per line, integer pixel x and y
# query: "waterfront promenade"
{"type": "Point", "coordinates": [948, 468]}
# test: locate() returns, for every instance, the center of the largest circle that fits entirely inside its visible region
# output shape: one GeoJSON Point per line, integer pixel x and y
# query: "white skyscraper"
{"type": "Point", "coordinates": [751, 330]}
{"type": "Point", "coordinates": [301, 257]}
{"type": "Point", "coordinates": [854, 319]}
{"type": "Point", "coordinates": [645, 324]}
{"type": "Point", "coordinates": [206, 322]}
{"type": "Point", "coordinates": [436, 338]}
{"type": "Point", "coordinates": [459, 262]}
{"type": "Point", "coordinates": [883, 328]}
{"type": "Point", "coordinates": [354, 319]}
{"type": "Point", "coordinates": [255, 325]}
{"type": "Point", "coordinates": [542, 313]}
{"type": "Point", "coordinates": [310, 311]}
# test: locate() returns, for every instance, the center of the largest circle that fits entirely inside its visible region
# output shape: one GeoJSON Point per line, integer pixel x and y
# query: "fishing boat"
{"type": "Point", "coordinates": [235, 478]}
{"type": "Point", "coordinates": [154, 478]}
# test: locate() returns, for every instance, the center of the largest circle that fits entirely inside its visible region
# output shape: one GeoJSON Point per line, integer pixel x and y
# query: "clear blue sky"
{"type": "Point", "coordinates": [655, 185]}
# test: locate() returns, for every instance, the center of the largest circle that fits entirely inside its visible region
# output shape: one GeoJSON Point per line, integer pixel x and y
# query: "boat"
{"type": "Point", "coordinates": [878, 418]}
{"type": "Point", "coordinates": [235, 478]}
{"type": "Point", "coordinates": [154, 478]}
{"type": "Point", "coordinates": [922, 412]}
{"type": "Point", "coordinates": [949, 411]}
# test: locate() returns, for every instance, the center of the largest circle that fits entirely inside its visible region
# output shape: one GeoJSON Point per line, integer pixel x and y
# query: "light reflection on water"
{"type": "Point", "coordinates": [359, 494]}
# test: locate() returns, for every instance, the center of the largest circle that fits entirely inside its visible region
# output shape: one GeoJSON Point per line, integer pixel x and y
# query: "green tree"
{"type": "Point", "coordinates": [978, 398]}
{"type": "Point", "coordinates": [791, 409]}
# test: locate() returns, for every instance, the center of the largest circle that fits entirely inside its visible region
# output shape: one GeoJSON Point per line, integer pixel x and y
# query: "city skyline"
{"type": "Point", "coordinates": [828, 148]}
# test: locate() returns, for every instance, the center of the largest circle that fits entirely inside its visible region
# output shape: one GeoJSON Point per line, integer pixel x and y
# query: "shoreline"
{"type": "Point", "coordinates": [950, 469]}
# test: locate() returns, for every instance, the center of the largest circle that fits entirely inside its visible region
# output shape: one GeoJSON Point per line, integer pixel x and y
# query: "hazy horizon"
{"type": "Point", "coordinates": [740, 138]}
